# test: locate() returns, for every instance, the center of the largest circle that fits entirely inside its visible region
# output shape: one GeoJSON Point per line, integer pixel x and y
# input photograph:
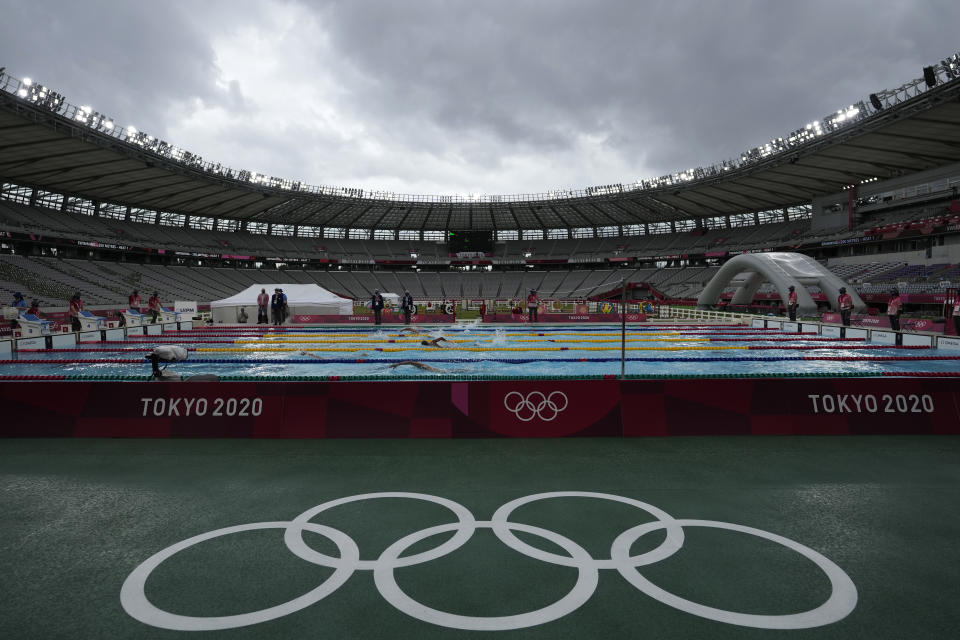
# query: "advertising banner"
{"type": "Point", "coordinates": [482, 409]}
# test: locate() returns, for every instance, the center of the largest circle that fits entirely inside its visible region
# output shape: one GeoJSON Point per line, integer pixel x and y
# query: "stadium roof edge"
{"type": "Point", "coordinates": [53, 149]}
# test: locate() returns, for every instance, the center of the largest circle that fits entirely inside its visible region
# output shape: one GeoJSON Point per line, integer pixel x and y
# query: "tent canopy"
{"type": "Point", "coordinates": [304, 299]}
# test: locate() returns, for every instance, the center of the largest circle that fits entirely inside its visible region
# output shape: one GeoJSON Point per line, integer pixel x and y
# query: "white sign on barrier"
{"type": "Point", "coordinates": [88, 336]}
{"type": "Point", "coordinates": [114, 335]}
{"type": "Point", "coordinates": [944, 342]}
{"type": "Point", "coordinates": [914, 340]}
{"type": "Point", "coordinates": [758, 323]}
{"type": "Point", "coordinates": [153, 329]}
{"type": "Point", "coordinates": [856, 333]}
{"type": "Point", "coordinates": [791, 327]}
{"type": "Point", "coordinates": [830, 332]}
{"type": "Point", "coordinates": [32, 343]}
{"type": "Point", "coordinates": [6, 347]}
{"type": "Point", "coordinates": [64, 340]}
{"type": "Point", "coordinates": [883, 337]}
{"type": "Point", "coordinates": [181, 306]}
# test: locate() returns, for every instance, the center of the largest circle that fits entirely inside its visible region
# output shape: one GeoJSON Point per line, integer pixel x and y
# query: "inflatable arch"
{"type": "Point", "coordinates": [783, 269]}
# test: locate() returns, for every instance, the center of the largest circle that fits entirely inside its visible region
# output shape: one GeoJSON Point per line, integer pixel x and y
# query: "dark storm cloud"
{"type": "Point", "coordinates": [687, 83]}
{"type": "Point", "coordinates": [502, 97]}
{"type": "Point", "coordinates": [129, 60]}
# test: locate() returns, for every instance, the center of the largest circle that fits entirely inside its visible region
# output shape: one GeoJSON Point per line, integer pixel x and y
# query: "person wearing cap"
{"type": "Point", "coordinates": [34, 309]}
{"type": "Point", "coordinates": [133, 301]}
{"type": "Point", "coordinates": [18, 301]}
{"type": "Point", "coordinates": [845, 304]}
{"type": "Point", "coordinates": [533, 302]}
{"type": "Point", "coordinates": [894, 308]}
{"type": "Point", "coordinates": [276, 306]}
{"type": "Point", "coordinates": [376, 303]}
{"type": "Point", "coordinates": [153, 305]}
{"type": "Point", "coordinates": [263, 303]}
{"type": "Point", "coordinates": [76, 306]}
{"type": "Point", "coordinates": [792, 303]}
{"type": "Point", "coordinates": [406, 306]}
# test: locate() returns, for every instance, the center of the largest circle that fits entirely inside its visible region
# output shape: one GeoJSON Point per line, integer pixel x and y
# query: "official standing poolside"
{"type": "Point", "coordinates": [407, 306]}
{"type": "Point", "coordinates": [845, 304]}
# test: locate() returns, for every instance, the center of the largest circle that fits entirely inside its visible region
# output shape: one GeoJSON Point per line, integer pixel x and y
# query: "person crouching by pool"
{"type": "Point", "coordinates": [845, 304]}
{"type": "Point", "coordinates": [533, 301]}
{"type": "Point", "coordinates": [376, 303]}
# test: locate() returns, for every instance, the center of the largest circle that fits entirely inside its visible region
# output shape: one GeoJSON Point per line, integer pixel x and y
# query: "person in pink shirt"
{"type": "Point", "coordinates": [133, 301]}
{"type": "Point", "coordinates": [533, 302]}
{"type": "Point", "coordinates": [792, 304]}
{"type": "Point", "coordinates": [894, 308]}
{"type": "Point", "coordinates": [845, 304]}
{"type": "Point", "coordinates": [263, 303]}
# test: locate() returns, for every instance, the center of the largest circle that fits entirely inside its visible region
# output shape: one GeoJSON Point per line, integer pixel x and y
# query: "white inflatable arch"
{"type": "Point", "coordinates": [783, 269]}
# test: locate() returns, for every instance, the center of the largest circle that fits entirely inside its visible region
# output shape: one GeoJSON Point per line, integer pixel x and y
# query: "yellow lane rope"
{"type": "Point", "coordinates": [479, 349]}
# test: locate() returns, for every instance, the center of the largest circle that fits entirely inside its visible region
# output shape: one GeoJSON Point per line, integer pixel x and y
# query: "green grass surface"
{"type": "Point", "coordinates": [78, 516]}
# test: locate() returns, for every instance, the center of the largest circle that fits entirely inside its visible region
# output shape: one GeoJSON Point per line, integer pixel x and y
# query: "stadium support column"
{"type": "Point", "coordinates": [623, 328]}
{"type": "Point", "coordinates": [850, 209]}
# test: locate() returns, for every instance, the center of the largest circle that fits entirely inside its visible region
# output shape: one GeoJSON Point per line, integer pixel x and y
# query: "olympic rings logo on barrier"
{"type": "Point", "coordinates": [535, 405]}
{"type": "Point", "coordinates": [842, 599]}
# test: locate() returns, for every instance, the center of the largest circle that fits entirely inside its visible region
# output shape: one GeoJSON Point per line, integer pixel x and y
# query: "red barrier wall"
{"type": "Point", "coordinates": [883, 322]}
{"type": "Point", "coordinates": [528, 408]}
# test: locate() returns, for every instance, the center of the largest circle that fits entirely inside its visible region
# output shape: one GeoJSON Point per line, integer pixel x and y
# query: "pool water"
{"type": "Point", "coordinates": [483, 350]}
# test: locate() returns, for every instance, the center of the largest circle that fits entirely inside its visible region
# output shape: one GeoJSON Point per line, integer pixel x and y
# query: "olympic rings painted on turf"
{"type": "Point", "coordinates": [535, 405]}
{"type": "Point", "coordinates": [842, 599]}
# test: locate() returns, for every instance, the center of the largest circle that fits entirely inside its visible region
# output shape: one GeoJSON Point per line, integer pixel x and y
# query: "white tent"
{"type": "Point", "coordinates": [302, 299]}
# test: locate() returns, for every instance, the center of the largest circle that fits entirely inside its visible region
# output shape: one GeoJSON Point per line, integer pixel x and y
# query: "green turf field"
{"type": "Point", "coordinates": [79, 516]}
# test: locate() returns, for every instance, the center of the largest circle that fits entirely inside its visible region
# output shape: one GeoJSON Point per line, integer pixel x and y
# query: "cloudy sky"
{"type": "Point", "coordinates": [481, 96]}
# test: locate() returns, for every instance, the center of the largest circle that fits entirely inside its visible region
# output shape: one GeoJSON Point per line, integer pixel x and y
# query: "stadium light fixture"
{"type": "Point", "coordinates": [930, 77]}
{"type": "Point", "coordinates": [27, 82]}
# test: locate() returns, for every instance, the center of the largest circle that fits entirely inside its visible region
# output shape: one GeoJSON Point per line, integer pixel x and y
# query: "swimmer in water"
{"type": "Point", "coordinates": [418, 365]}
{"type": "Point", "coordinates": [411, 331]}
{"type": "Point", "coordinates": [436, 343]}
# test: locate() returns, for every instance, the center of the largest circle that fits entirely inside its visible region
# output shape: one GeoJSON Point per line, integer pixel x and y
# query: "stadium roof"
{"type": "Point", "coordinates": [49, 144]}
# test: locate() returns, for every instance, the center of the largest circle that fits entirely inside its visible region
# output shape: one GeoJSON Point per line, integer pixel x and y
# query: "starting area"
{"type": "Point", "coordinates": [719, 537]}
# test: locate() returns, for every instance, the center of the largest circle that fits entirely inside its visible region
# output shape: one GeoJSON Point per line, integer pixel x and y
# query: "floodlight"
{"type": "Point", "coordinates": [27, 82]}
{"type": "Point", "coordinates": [22, 93]}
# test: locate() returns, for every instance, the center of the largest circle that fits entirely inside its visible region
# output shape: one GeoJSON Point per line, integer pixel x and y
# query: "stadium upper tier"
{"type": "Point", "coordinates": [51, 144]}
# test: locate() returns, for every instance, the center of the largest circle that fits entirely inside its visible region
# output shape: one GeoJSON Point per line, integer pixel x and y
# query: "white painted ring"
{"type": "Point", "coordinates": [666, 549]}
{"type": "Point", "coordinates": [293, 537]}
{"type": "Point", "coordinates": [134, 599]}
{"type": "Point", "coordinates": [586, 584]}
{"type": "Point", "coordinates": [843, 593]}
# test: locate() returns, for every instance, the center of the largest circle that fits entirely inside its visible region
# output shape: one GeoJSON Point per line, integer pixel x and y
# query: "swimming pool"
{"type": "Point", "coordinates": [482, 351]}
